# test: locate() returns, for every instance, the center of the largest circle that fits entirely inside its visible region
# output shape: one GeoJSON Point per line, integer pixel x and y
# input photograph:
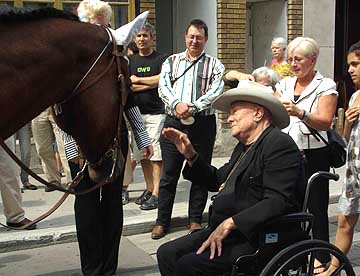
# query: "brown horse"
{"type": "Point", "coordinates": [44, 55]}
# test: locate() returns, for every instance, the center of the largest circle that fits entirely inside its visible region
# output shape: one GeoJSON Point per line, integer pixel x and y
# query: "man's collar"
{"type": "Point", "coordinates": [185, 55]}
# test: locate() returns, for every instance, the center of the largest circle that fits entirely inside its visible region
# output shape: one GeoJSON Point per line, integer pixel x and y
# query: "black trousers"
{"type": "Point", "coordinates": [178, 257]}
{"type": "Point", "coordinates": [202, 135]}
{"type": "Point", "coordinates": [99, 223]}
{"type": "Point", "coordinates": [317, 160]}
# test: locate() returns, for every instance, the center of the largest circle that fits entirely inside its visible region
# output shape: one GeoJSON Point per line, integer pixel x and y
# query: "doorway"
{"type": "Point", "coordinates": [346, 34]}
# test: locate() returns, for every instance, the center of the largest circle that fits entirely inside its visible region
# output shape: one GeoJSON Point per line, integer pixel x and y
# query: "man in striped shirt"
{"type": "Point", "coordinates": [189, 82]}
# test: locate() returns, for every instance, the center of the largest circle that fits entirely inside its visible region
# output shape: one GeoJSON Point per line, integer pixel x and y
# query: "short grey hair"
{"type": "Point", "coordinates": [307, 46]}
{"type": "Point", "coordinates": [265, 72]}
{"type": "Point", "coordinates": [279, 41]}
{"type": "Point", "coordinates": [149, 28]}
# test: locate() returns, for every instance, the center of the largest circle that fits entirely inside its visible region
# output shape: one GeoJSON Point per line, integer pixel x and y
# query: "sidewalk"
{"type": "Point", "coordinates": [60, 226]}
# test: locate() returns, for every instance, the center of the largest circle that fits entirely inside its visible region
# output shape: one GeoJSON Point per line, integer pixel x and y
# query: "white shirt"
{"type": "Point", "coordinates": [308, 100]}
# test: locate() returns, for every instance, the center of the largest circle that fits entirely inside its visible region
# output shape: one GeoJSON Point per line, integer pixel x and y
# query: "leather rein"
{"type": "Point", "coordinates": [114, 150]}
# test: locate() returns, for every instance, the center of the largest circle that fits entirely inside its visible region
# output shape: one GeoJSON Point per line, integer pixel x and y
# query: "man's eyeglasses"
{"type": "Point", "coordinates": [196, 38]}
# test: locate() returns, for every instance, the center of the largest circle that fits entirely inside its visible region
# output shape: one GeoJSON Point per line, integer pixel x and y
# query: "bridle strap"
{"type": "Point", "coordinates": [119, 156]}
{"type": "Point", "coordinates": [29, 171]}
{"type": "Point", "coordinates": [76, 91]}
{"type": "Point", "coordinates": [72, 185]}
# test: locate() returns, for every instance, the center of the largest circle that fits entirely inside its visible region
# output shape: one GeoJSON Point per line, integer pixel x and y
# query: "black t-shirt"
{"type": "Point", "coordinates": [148, 101]}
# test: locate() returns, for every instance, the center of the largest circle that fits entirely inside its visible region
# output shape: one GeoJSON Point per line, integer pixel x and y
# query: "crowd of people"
{"type": "Point", "coordinates": [171, 119]}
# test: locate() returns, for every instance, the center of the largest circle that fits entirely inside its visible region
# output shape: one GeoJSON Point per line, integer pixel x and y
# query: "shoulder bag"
{"type": "Point", "coordinates": [336, 146]}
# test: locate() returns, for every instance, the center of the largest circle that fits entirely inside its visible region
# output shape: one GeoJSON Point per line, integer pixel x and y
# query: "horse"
{"type": "Point", "coordinates": [50, 57]}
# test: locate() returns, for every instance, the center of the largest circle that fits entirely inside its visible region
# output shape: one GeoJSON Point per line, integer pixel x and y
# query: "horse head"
{"type": "Point", "coordinates": [99, 101]}
{"type": "Point", "coordinates": [66, 62]}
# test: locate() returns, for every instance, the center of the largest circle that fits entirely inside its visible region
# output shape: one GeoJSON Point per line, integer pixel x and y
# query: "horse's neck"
{"type": "Point", "coordinates": [42, 61]}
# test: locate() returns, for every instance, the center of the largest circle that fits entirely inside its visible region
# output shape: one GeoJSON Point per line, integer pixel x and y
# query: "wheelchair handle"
{"type": "Point", "coordinates": [324, 174]}
{"type": "Point", "coordinates": [327, 175]}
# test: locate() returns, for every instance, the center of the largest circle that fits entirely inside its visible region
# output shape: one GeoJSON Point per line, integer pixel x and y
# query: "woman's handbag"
{"type": "Point", "coordinates": [336, 145]}
{"type": "Point", "coordinates": [337, 149]}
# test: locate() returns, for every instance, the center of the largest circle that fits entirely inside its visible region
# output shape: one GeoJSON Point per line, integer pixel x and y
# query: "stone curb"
{"type": "Point", "coordinates": [44, 237]}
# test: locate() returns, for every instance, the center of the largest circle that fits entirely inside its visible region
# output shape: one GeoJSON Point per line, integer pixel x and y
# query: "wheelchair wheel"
{"type": "Point", "coordinates": [298, 259]}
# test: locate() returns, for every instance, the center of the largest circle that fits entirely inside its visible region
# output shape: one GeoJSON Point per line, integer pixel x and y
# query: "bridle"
{"type": "Point", "coordinates": [113, 151]}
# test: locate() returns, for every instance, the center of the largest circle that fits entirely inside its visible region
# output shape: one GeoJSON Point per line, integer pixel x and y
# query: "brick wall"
{"type": "Point", "coordinates": [231, 34]}
{"type": "Point", "coordinates": [231, 23]}
{"type": "Point", "coordinates": [295, 19]}
{"type": "Point", "coordinates": [149, 5]}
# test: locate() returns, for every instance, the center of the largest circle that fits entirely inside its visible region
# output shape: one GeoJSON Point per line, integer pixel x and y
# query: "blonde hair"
{"type": "Point", "coordinates": [307, 46]}
{"type": "Point", "coordinates": [90, 9]}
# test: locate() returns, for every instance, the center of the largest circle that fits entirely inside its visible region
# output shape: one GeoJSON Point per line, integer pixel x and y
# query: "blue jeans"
{"type": "Point", "coordinates": [23, 134]}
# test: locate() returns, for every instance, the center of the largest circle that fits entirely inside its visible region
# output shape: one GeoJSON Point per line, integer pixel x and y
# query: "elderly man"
{"type": "Point", "coordinates": [257, 184]}
{"type": "Point", "coordinates": [189, 82]}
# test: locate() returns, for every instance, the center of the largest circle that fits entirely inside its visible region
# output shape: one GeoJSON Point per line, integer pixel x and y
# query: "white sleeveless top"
{"type": "Point", "coordinates": [308, 101]}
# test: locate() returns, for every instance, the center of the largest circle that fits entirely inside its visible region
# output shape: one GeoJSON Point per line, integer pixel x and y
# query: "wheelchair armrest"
{"type": "Point", "coordinates": [294, 217]}
{"type": "Point", "coordinates": [306, 220]}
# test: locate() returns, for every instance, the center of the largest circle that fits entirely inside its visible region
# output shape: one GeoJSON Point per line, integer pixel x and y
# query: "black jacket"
{"type": "Point", "coordinates": [268, 182]}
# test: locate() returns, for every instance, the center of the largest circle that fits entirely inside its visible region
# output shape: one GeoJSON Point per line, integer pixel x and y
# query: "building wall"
{"type": "Point", "coordinates": [322, 29]}
{"type": "Point", "coordinates": [187, 10]}
{"type": "Point", "coordinates": [231, 25]}
{"type": "Point", "coordinates": [149, 5]}
{"type": "Point", "coordinates": [295, 19]}
{"type": "Point", "coordinates": [268, 20]}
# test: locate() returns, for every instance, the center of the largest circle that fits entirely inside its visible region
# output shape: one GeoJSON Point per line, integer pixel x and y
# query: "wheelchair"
{"type": "Point", "coordinates": [290, 252]}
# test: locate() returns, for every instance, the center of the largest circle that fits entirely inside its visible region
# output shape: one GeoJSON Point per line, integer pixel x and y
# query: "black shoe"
{"type": "Point", "coordinates": [29, 186]}
{"type": "Point", "coordinates": [21, 224]}
{"type": "Point", "coordinates": [125, 197]}
{"type": "Point", "coordinates": [150, 204]}
{"type": "Point", "coordinates": [144, 197]}
{"type": "Point", "coordinates": [49, 189]}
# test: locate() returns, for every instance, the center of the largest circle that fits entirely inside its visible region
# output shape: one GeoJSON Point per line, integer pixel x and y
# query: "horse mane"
{"type": "Point", "coordinates": [21, 15]}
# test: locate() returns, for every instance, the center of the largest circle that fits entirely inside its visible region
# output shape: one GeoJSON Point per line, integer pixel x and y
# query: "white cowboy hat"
{"type": "Point", "coordinates": [249, 91]}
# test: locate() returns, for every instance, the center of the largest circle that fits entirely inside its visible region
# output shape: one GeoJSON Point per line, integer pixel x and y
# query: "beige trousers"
{"type": "Point", "coordinates": [45, 132]}
{"type": "Point", "coordinates": [10, 185]}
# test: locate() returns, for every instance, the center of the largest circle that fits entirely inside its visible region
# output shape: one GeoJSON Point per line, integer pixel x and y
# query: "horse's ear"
{"type": "Point", "coordinates": [125, 34]}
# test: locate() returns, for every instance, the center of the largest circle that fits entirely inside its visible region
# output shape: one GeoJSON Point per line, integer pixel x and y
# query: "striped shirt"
{"type": "Point", "coordinates": [200, 85]}
{"type": "Point", "coordinates": [135, 119]}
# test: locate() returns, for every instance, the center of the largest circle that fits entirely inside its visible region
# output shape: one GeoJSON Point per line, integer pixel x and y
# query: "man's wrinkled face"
{"type": "Point", "coordinates": [195, 40]}
{"type": "Point", "coordinates": [241, 119]}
